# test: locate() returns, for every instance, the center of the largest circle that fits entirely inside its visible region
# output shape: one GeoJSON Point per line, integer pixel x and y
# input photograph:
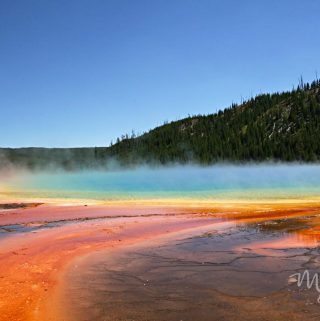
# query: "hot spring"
{"type": "Point", "coordinates": [218, 182]}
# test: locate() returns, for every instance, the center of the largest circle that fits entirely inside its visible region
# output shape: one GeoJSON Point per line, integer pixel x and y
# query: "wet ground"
{"type": "Point", "coordinates": [228, 274]}
{"type": "Point", "coordinates": [227, 261]}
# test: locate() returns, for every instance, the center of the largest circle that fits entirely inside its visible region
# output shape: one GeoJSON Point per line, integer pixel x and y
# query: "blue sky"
{"type": "Point", "coordinates": [82, 72]}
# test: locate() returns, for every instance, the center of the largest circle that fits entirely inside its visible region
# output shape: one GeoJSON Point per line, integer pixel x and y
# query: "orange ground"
{"type": "Point", "coordinates": [32, 262]}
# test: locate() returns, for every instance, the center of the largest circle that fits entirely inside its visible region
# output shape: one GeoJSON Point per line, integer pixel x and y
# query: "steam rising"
{"type": "Point", "coordinates": [219, 181]}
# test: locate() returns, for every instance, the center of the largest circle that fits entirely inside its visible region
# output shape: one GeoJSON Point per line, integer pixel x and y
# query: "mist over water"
{"type": "Point", "coordinates": [215, 182]}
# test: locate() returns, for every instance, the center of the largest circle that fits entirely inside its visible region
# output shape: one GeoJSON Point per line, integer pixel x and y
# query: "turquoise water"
{"type": "Point", "coordinates": [251, 181]}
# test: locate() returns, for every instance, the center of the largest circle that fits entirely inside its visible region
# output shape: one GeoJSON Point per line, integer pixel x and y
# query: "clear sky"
{"type": "Point", "coordinates": [82, 72]}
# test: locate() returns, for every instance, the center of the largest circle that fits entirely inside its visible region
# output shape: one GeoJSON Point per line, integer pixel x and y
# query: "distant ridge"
{"type": "Point", "coordinates": [270, 127]}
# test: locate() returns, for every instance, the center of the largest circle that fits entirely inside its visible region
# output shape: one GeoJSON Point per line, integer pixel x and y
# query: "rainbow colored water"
{"type": "Point", "coordinates": [210, 240]}
{"type": "Point", "coordinates": [179, 182]}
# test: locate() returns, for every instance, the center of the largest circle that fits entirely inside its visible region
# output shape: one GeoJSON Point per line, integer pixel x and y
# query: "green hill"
{"type": "Point", "coordinates": [281, 127]}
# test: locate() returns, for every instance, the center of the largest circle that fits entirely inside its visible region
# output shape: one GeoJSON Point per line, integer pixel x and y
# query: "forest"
{"type": "Point", "coordinates": [282, 126]}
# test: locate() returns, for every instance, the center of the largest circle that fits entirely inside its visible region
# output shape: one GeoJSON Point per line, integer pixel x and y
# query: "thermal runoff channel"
{"type": "Point", "coordinates": [169, 243]}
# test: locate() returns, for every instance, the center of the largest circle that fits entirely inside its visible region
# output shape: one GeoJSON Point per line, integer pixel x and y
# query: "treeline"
{"type": "Point", "coordinates": [277, 127]}
{"type": "Point", "coordinates": [51, 158]}
{"type": "Point", "coordinates": [281, 126]}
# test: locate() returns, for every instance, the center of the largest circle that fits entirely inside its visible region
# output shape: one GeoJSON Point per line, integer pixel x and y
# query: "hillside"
{"type": "Point", "coordinates": [281, 126]}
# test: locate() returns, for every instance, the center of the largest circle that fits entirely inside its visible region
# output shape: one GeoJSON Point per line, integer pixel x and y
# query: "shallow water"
{"type": "Point", "coordinates": [215, 243]}
{"type": "Point", "coordinates": [216, 275]}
